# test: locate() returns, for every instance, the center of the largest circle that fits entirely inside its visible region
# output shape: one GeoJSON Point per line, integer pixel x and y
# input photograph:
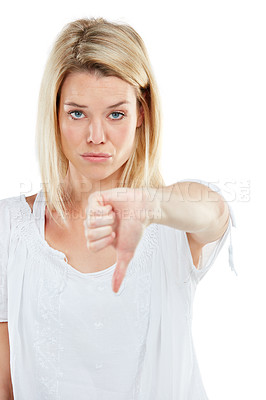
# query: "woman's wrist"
{"type": "Point", "coordinates": [152, 205]}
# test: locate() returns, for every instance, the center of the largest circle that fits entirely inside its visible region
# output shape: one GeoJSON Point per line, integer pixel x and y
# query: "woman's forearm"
{"type": "Point", "coordinates": [191, 207]}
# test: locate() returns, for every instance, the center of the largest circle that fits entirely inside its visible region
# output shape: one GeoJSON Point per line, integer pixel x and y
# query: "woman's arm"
{"type": "Point", "coordinates": [194, 208]}
{"type": "Point", "coordinates": [125, 212]}
{"type": "Point", "coordinates": [191, 207]}
{"type": "Point", "coordinates": [6, 390]}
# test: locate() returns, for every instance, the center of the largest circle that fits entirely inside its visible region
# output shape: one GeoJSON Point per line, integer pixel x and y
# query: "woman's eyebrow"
{"type": "Point", "coordinates": [119, 104]}
{"type": "Point", "coordinates": [75, 105]}
{"type": "Point", "coordinates": [112, 106]}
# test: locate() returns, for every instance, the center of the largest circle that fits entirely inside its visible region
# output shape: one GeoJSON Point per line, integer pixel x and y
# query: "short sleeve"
{"type": "Point", "coordinates": [211, 250]}
{"type": "Point", "coordinates": [4, 247]}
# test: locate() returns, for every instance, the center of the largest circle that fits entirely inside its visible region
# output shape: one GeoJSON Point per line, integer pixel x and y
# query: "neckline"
{"type": "Point", "coordinates": [40, 205]}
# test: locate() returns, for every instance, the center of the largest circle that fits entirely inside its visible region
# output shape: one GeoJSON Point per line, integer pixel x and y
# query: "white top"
{"type": "Point", "coordinates": [71, 337]}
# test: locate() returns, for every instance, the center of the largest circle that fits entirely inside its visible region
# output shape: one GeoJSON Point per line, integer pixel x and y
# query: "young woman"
{"type": "Point", "coordinates": [99, 268]}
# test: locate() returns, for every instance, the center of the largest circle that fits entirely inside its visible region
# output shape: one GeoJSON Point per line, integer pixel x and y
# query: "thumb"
{"type": "Point", "coordinates": [119, 274]}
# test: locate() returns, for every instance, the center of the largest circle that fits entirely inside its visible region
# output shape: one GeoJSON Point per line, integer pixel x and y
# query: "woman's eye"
{"type": "Point", "coordinates": [79, 115]}
{"type": "Point", "coordinates": [76, 114]}
{"type": "Point", "coordinates": [116, 114]}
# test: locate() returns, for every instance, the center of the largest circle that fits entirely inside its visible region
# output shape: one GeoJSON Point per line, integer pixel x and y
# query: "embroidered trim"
{"type": "Point", "coordinates": [144, 293]}
{"type": "Point", "coordinates": [47, 344]}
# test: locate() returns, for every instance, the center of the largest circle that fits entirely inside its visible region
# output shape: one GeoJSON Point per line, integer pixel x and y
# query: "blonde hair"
{"type": "Point", "coordinates": [107, 49]}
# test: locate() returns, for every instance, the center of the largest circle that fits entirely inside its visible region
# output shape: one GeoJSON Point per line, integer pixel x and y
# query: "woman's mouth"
{"type": "Point", "coordinates": [96, 157]}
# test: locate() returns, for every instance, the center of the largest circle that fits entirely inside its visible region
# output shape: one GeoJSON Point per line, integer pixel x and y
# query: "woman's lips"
{"type": "Point", "coordinates": [96, 154]}
{"type": "Point", "coordinates": [96, 158]}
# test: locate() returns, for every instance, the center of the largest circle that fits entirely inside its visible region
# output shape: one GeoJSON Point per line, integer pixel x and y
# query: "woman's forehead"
{"type": "Point", "coordinates": [89, 80]}
{"type": "Point", "coordinates": [86, 85]}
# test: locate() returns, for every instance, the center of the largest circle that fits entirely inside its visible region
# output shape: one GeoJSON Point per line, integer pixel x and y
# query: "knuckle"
{"type": "Point", "coordinates": [92, 222]}
{"type": "Point", "coordinates": [90, 245]}
{"type": "Point", "coordinates": [99, 212]}
{"type": "Point", "coordinates": [93, 213]}
{"type": "Point", "coordinates": [89, 234]}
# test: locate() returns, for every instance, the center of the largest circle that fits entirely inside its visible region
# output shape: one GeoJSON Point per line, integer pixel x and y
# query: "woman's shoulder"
{"type": "Point", "coordinates": [18, 199]}
{"type": "Point", "coordinates": [6, 215]}
{"type": "Point", "coordinates": [15, 207]}
{"type": "Point", "coordinates": [6, 202]}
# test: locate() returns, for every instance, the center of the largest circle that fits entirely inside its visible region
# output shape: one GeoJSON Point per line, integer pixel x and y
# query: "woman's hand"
{"type": "Point", "coordinates": [117, 217]}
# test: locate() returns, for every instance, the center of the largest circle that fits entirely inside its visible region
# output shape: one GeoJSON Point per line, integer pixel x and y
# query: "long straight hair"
{"type": "Point", "coordinates": [107, 49]}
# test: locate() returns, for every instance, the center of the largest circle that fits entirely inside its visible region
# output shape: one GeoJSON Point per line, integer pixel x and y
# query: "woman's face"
{"type": "Point", "coordinates": [97, 115]}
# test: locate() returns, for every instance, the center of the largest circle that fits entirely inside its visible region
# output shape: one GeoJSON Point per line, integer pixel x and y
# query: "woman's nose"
{"type": "Point", "coordinates": [95, 132]}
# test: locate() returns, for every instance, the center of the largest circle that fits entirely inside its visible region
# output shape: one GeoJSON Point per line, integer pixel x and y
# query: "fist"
{"type": "Point", "coordinates": [116, 217]}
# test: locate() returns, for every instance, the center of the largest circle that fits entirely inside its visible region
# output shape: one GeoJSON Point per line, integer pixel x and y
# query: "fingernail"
{"type": "Point", "coordinates": [116, 287]}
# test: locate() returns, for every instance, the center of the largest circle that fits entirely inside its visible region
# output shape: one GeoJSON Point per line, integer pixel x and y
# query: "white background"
{"type": "Point", "coordinates": [209, 61]}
